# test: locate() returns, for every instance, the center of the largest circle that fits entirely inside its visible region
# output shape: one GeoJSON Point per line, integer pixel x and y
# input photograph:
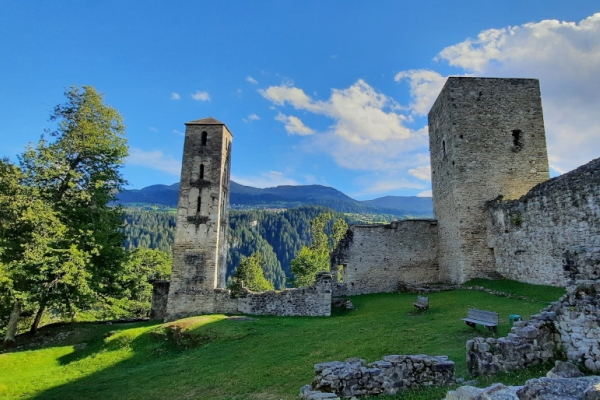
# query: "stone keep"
{"type": "Point", "coordinates": [200, 249]}
{"type": "Point", "coordinates": [487, 139]}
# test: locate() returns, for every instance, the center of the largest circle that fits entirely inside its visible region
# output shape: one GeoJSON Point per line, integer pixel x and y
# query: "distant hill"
{"type": "Point", "coordinates": [247, 197]}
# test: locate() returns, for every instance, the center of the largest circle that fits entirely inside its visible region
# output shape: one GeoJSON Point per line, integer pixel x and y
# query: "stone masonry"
{"type": "Point", "coordinates": [377, 258]}
{"type": "Point", "coordinates": [395, 373]}
{"type": "Point", "coordinates": [200, 249]}
{"type": "Point", "coordinates": [551, 234]}
{"type": "Point", "coordinates": [486, 138]}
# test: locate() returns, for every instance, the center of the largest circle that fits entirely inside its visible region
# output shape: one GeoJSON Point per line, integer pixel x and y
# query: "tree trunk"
{"type": "Point", "coordinates": [11, 329]}
{"type": "Point", "coordinates": [38, 317]}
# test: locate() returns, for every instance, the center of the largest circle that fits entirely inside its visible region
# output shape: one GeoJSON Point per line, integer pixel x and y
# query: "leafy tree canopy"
{"type": "Point", "coordinates": [249, 274]}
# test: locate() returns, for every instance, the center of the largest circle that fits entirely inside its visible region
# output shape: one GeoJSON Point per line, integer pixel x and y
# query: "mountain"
{"type": "Point", "coordinates": [247, 197]}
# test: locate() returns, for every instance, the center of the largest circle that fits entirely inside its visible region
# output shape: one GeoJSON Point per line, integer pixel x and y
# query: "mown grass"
{"type": "Point", "coordinates": [216, 357]}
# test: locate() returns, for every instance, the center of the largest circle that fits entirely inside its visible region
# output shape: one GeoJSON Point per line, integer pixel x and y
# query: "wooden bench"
{"type": "Point", "coordinates": [489, 319]}
{"type": "Point", "coordinates": [422, 303]}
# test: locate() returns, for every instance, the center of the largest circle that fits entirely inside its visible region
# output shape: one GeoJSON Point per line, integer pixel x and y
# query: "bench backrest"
{"type": "Point", "coordinates": [422, 299]}
{"type": "Point", "coordinates": [481, 315]}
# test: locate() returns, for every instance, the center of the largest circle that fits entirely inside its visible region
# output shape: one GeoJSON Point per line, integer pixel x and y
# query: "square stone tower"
{"type": "Point", "coordinates": [200, 249]}
{"type": "Point", "coordinates": [486, 139]}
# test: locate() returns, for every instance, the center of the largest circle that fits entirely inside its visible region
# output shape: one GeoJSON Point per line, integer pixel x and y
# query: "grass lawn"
{"type": "Point", "coordinates": [258, 358]}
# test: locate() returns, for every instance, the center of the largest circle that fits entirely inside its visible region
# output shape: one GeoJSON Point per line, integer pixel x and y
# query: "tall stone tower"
{"type": "Point", "coordinates": [200, 250]}
{"type": "Point", "coordinates": [486, 139]}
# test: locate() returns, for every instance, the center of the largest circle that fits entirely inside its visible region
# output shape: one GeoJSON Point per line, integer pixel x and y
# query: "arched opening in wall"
{"type": "Point", "coordinates": [201, 171]}
{"type": "Point", "coordinates": [204, 138]}
{"type": "Point", "coordinates": [517, 136]}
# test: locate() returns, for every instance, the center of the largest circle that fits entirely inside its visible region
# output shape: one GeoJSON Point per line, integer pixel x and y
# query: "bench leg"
{"type": "Point", "coordinates": [471, 324]}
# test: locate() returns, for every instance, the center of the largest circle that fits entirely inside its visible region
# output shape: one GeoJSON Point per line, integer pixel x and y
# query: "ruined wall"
{"type": "Point", "coordinates": [200, 248]}
{"type": "Point", "coordinates": [393, 374]}
{"type": "Point", "coordinates": [311, 301]}
{"type": "Point", "coordinates": [308, 301]}
{"type": "Point", "coordinates": [486, 138]}
{"type": "Point", "coordinates": [570, 325]}
{"type": "Point", "coordinates": [160, 294]}
{"type": "Point", "coordinates": [375, 258]}
{"type": "Point", "coordinates": [551, 234]}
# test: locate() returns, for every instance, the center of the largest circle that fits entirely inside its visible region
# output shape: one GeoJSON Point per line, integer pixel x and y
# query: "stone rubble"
{"type": "Point", "coordinates": [392, 374]}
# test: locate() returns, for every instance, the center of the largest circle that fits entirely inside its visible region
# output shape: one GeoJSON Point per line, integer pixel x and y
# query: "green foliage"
{"type": "Point", "coordinates": [123, 361]}
{"type": "Point", "coordinates": [249, 273]}
{"type": "Point", "coordinates": [315, 258]}
{"type": "Point", "coordinates": [61, 241]}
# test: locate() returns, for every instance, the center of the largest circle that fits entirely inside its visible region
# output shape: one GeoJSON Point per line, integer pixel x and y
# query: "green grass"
{"type": "Point", "coordinates": [216, 357]}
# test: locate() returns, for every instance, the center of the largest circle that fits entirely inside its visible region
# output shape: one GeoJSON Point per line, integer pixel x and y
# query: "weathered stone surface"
{"type": "Point", "coordinates": [564, 370]}
{"type": "Point", "coordinates": [559, 388]}
{"type": "Point", "coordinates": [486, 139]}
{"type": "Point", "coordinates": [376, 258]}
{"type": "Point", "coordinates": [397, 373]}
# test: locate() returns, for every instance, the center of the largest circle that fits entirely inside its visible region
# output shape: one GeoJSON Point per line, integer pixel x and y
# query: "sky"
{"type": "Point", "coordinates": [325, 92]}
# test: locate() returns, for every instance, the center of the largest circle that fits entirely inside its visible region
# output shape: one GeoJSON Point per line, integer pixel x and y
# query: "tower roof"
{"type": "Point", "coordinates": [205, 121]}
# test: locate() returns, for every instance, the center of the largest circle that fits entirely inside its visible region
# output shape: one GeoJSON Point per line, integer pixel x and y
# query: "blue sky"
{"type": "Point", "coordinates": [315, 92]}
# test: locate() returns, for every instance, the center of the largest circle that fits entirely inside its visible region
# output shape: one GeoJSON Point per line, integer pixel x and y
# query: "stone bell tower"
{"type": "Point", "coordinates": [200, 249]}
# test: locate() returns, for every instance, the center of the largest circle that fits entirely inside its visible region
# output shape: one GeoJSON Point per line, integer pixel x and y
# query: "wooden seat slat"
{"type": "Point", "coordinates": [488, 319]}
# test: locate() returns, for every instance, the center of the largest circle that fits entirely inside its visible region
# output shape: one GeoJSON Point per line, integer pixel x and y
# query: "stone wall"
{"type": "Point", "coordinates": [393, 374]}
{"type": "Point", "coordinates": [376, 258]}
{"type": "Point", "coordinates": [486, 138]}
{"type": "Point", "coordinates": [307, 301]}
{"type": "Point", "coordinates": [160, 294]}
{"type": "Point", "coordinates": [570, 326]}
{"type": "Point", "coordinates": [552, 233]}
{"type": "Point", "coordinates": [531, 342]}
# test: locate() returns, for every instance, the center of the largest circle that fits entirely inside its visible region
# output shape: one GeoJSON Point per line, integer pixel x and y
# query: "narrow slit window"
{"type": "Point", "coordinates": [199, 203]}
{"type": "Point", "coordinates": [517, 138]}
{"type": "Point", "coordinates": [204, 138]}
{"type": "Point", "coordinates": [444, 146]}
{"type": "Point", "coordinates": [201, 171]}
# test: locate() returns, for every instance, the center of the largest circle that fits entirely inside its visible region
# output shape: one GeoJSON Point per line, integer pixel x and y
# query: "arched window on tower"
{"type": "Point", "coordinates": [201, 171]}
{"type": "Point", "coordinates": [204, 138]}
{"type": "Point", "coordinates": [517, 136]}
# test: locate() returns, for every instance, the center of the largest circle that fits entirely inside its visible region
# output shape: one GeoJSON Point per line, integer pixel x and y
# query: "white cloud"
{"type": "Point", "coordinates": [201, 96]}
{"type": "Point", "coordinates": [155, 160]}
{"type": "Point", "coordinates": [175, 96]}
{"type": "Point", "coordinates": [425, 86]}
{"type": "Point", "coordinates": [425, 193]}
{"type": "Point", "coordinates": [153, 129]}
{"type": "Point", "coordinates": [423, 173]}
{"type": "Point", "coordinates": [251, 80]}
{"type": "Point", "coordinates": [266, 179]}
{"type": "Point", "coordinates": [294, 125]}
{"type": "Point", "coordinates": [565, 57]}
{"type": "Point", "coordinates": [376, 186]}
{"type": "Point", "coordinates": [175, 131]}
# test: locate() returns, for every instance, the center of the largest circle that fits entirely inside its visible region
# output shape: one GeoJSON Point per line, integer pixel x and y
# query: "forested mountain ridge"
{"type": "Point", "coordinates": [246, 197]}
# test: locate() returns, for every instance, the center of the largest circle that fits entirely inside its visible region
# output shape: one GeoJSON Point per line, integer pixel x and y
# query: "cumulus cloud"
{"type": "Point", "coordinates": [423, 173]}
{"type": "Point", "coordinates": [251, 80]}
{"type": "Point", "coordinates": [425, 85]}
{"type": "Point", "coordinates": [266, 179]}
{"type": "Point", "coordinates": [425, 193]}
{"type": "Point", "coordinates": [175, 96]}
{"type": "Point", "coordinates": [294, 125]}
{"type": "Point", "coordinates": [201, 96]}
{"type": "Point", "coordinates": [154, 159]}
{"type": "Point", "coordinates": [565, 57]}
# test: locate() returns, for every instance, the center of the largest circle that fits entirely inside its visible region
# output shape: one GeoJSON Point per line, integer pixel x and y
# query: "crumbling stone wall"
{"type": "Point", "coordinates": [393, 374]}
{"type": "Point", "coordinates": [160, 294]}
{"type": "Point", "coordinates": [486, 138]}
{"type": "Point", "coordinates": [376, 258]}
{"type": "Point", "coordinates": [307, 301]}
{"type": "Point", "coordinates": [570, 326]}
{"type": "Point", "coordinates": [552, 233]}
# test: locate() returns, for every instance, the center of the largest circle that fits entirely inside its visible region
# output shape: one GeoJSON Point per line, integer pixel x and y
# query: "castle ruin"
{"type": "Point", "coordinates": [496, 212]}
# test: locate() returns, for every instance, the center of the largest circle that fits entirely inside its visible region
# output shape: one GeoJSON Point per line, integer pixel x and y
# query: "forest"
{"type": "Point", "coordinates": [277, 234]}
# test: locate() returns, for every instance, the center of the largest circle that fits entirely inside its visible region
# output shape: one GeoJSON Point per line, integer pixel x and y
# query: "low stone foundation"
{"type": "Point", "coordinates": [388, 376]}
{"type": "Point", "coordinates": [311, 301]}
{"type": "Point", "coordinates": [570, 325]}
